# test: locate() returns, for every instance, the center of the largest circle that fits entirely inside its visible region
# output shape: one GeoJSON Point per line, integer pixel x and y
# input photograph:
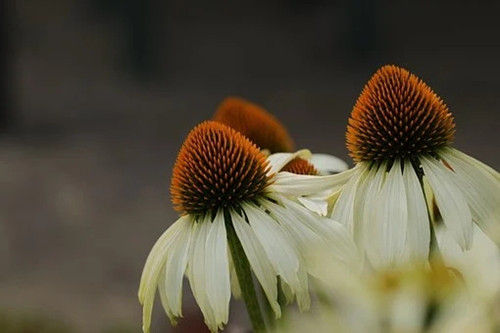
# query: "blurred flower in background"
{"type": "Point", "coordinates": [268, 133]}
{"type": "Point", "coordinates": [409, 298]}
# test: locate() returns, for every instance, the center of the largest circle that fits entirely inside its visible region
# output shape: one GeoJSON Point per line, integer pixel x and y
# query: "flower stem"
{"type": "Point", "coordinates": [244, 274]}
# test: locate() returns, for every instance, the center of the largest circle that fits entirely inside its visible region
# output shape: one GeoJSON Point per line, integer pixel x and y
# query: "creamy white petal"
{"type": "Point", "coordinates": [408, 310]}
{"type": "Point", "coordinates": [473, 162]}
{"type": "Point", "coordinates": [197, 272]}
{"type": "Point", "coordinates": [163, 298]}
{"type": "Point", "coordinates": [235, 284]}
{"type": "Point", "coordinates": [365, 206]}
{"type": "Point", "coordinates": [217, 269]}
{"type": "Point", "coordinates": [418, 228]}
{"type": "Point", "coordinates": [328, 164]}
{"type": "Point", "coordinates": [300, 185]}
{"type": "Point", "coordinates": [258, 260]}
{"type": "Point", "coordinates": [279, 160]}
{"type": "Point", "coordinates": [357, 205]}
{"type": "Point", "coordinates": [175, 267]}
{"type": "Point", "coordinates": [481, 190]}
{"type": "Point", "coordinates": [310, 230]}
{"type": "Point", "coordinates": [278, 246]}
{"type": "Point", "coordinates": [429, 198]}
{"type": "Point", "coordinates": [390, 221]}
{"type": "Point", "coordinates": [155, 265]}
{"type": "Point", "coordinates": [452, 204]}
{"type": "Point", "coordinates": [343, 210]}
{"type": "Point", "coordinates": [287, 292]}
{"type": "Point", "coordinates": [316, 205]}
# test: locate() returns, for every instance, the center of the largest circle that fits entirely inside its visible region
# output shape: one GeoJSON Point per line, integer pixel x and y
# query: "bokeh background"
{"type": "Point", "coordinates": [98, 95]}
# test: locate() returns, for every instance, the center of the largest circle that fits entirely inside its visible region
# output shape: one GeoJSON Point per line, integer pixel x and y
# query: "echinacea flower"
{"type": "Point", "coordinates": [233, 222]}
{"type": "Point", "coordinates": [408, 298]}
{"type": "Point", "coordinates": [399, 135]}
{"type": "Point", "coordinates": [268, 133]}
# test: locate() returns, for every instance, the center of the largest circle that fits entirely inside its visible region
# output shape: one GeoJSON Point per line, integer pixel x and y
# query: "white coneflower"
{"type": "Point", "coordinates": [268, 133]}
{"type": "Point", "coordinates": [233, 223]}
{"type": "Point", "coordinates": [399, 135]}
{"type": "Point", "coordinates": [407, 298]}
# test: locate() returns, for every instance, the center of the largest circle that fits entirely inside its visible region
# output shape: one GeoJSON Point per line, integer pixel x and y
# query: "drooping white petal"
{"type": "Point", "coordinates": [390, 221]}
{"type": "Point", "coordinates": [279, 160]}
{"type": "Point", "coordinates": [258, 260]}
{"type": "Point", "coordinates": [481, 190]}
{"type": "Point", "coordinates": [328, 164]}
{"type": "Point", "coordinates": [175, 267]}
{"type": "Point", "coordinates": [343, 210]}
{"type": "Point", "coordinates": [301, 185]}
{"type": "Point", "coordinates": [278, 246]}
{"type": "Point", "coordinates": [316, 205]}
{"type": "Point", "coordinates": [418, 228]}
{"type": "Point", "coordinates": [312, 231]}
{"type": "Point", "coordinates": [155, 265]}
{"type": "Point", "coordinates": [451, 202]}
{"type": "Point", "coordinates": [197, 272]}
{"type": "Point", "coordinates": [217, 269]}
{"type": "Point", "coordinates": [473, 162]}
{"type": "Point", "coordinates": [365, 204]}
{"type": "Point", "coordinates": [164, 299]}
{"type": "Point", "coordinates": [235, 284]}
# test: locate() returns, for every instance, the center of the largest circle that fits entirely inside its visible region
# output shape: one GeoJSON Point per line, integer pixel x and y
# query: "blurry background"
{"type": "Point", "coordinates": [98, 95]}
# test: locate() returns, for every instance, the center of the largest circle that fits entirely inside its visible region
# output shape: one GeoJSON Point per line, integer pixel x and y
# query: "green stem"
{"type": "Point", "coordinates": [244, 274]}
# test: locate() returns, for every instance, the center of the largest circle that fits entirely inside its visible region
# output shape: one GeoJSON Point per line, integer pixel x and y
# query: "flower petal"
{"type": "Point", "coordinates": [364, 204]}
{"type": "Point", "coordinates": [418, 228]}
{"type": "Point", "coordinates": [175, 267]}
{"type": "Point", "coordinates": [155, 265]}
{"type": "Point", "coordinates": [258, 260]}
{"type": "Point", "coordinates": [300, 185]}
{"type": "Point", "coordinates": [328, 164]}
{"type": "Point", "coordinates": [217, 270]}
{"type": "Point", "coordinates": [481, 190]}
{"type": "Point", "coordinates": [390, 221]}
{"type": "Point", "coordinates": [452, 204]}
{"type": "Point", "coordinates": [316, 205]}
{"type": "Point", "coordinates": [278, 246]}
{"type": "Point", "coordinates": [473, 162]}
{"type": "Point", "coordinates": [279, 160]}
{"type": "Point", "coordinates": [343, 210]}
{"type": "Point", "coordinates": [197, 272]}
{"type": "Point", "coordinates": [312, 231]}
{"type": "Point", "coordinates": [235, 285]}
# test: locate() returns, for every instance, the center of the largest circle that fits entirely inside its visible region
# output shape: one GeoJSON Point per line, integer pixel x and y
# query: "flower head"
{"type": "Point", "coordinates": [224, 187]}
{"type": "Point", "coordinates": [255, 123]}
{"type": "Point", "coordinates": [270, 135]}
{"type": "Point", "coordinates": [300, 166]}
{"type": "Point", "coordinates": [397, 116]}
{"type": "Point", "coordinates": [399, 134]}
{"type": "Point", "coordinates": [217, 167]}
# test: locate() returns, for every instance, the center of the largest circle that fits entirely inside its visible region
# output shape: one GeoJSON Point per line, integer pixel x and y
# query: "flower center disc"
{"type": "Point", "coordinates": [300, 166]}
{"type": "Point", "coordinates": [255, 123]}
{"type": "Point", "coordinates": [397, 116]}
{"type": "Point", "coordinates": [216, 167]}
